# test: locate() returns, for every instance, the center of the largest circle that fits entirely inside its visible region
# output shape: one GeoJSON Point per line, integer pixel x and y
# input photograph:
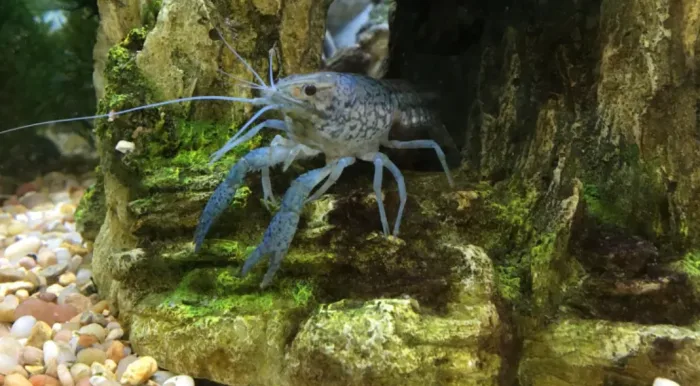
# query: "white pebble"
{"type": "Point", "coordinates": [83, 276]}
{"type": "Point", "coordinates": [51, 351]}
{"type": "Point", "coordinates": [62, 255]}
{"type": "Point", "coordinates": [22, 327]}
{"type": "Point", "coordinates": [64, 375]}
{"type": "Point", "coordinates": [179, 380]}
{"type": "Point", "coordinates": [125, 147]}
{"type": "Point", "coordinates": [665, 382]}
{"type": "Point", "coordinates": [10, 352]}
{"type": "Point", "coordinates": [22, 248]}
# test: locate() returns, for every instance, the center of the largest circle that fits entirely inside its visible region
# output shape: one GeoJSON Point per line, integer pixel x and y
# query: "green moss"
{"type": "Point", "coordinates": [690, 264]}
{"type": "Point", "coordinates": [218, 292]}
{"type": "Point", "coordinates": [91, 210]}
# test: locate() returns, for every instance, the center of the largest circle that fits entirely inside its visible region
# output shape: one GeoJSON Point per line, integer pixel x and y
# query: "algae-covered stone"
{"type": "Point", "coordinates": [592, 352]}
{"type": "Point", "coordinates": [389, 342]}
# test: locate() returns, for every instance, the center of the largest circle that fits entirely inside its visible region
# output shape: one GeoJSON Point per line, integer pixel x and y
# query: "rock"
{"type": "Point", "coordinates": [51, 273]}
{"type": "Point", "coordinates": [101, 370]}
{"type": "Point", "coordinates": [123, 364]}
{"type": "Point", "coordinates": [8, 308]}
{"type": "Point", "coordinates": [43, 380]}
{"type": "Point", "coordinates": [10, 353]}
{"type": "Point", "coordinates": [11, 274]}
{"type": "Point", "coordinates": [94, 329]}
{"type": "Point", "coordinates": [16, 227]}
{"type": "Point", "coordinates": [63, 336]}
{"type": "Point", "coordinates": [89, 356]}
{"type": "Point", "coordinates": [27, 263]}
{"type": "Point", "coordinates": [664, 382]}
{"type": "Point", "coordinates": [570, 351]}
{"type": "Point", "coordinates": [161, 376]}
{"type": "Point", "coordinates": [22, 294]}
{"type": "Point", "coordinates": [32, 356]}
{"type": "Point", "coordinates": [16, 380]}
{"type": "Point", "coordinates": [46, 258]}
{"type": "Point", "coordinates": [64, 375]}
{"type": "Point", "coordinates": [80, 371]}
{"type": "Point", "coordinates": [117, 333]}
{"type": "Point", "coordinates": [139, 371]}
{"type": "Point", "coordinates": [115, 352]}
{"type": "Point", "coordinates": [35, 370]}
{"type": "Point", "coordinates": [49, 313]}
{"type": "Point", "coordinates": [84, 382]}
{"type": "Point", "coordinates": [40, 333]}
{"type": "Point", "coordinates": [33, 199]}
{"type": "Point", "coordinates": [77, 300]}
{"type": "Point", "coordinates": [179, 380]}
{"type": "Point", "coordinates": [48, 297]}
{"type": "Point", "coordinates": [89, 317]}
{"type": "Point", "coordinates": [23, 326]}
{"type": "Point", "coordinates": [66, 279]}
{"type": "Point", "coordinates": [22, 248]}
{"type": "Point", "coordinates": [51, 352]}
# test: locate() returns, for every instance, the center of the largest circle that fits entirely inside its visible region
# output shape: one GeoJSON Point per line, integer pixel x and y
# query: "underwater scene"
{"type": "Point", "coordinates": [349, 192]}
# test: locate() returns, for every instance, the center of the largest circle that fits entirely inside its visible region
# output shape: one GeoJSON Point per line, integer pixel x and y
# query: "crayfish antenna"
{"type": "Point", "coordinates": [112, 114]}
{"type": "Point", "coordinates": [240, 58]}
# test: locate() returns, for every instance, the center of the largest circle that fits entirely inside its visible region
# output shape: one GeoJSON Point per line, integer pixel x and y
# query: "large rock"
{"type": "Point", "coordinates": [591, 352]}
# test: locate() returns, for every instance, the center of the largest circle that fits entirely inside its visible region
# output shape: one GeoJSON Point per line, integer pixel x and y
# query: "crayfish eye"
{"type": "Point", "coordinates": [309, 90]}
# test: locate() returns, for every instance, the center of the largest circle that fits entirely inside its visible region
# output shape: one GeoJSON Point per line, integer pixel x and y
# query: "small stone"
{"type": "Point", "coordinates": [10, 353]}
{"type": "Point", "coordinates": [125, 147]}
{"type": "Point", "coordinates": [51, 273]}
{"type": "Point", "coordinates": [89, 356]}
{"type": "Point", "coordinates": [63, 336]}
{"type": "Point", "coordinates": [27, 263]}
{"type": "Point", "coordinates": [16, 227]}
{"type": "Point", "coordinates": [124, 364]}
{"type": "Point", "coordinates": [34, 199]}
{"type": "Point", "coordinates": [22, 248]}
{"type": "Point", "coordinates": [79, 371]}
{"type": "Point", "coordinates": [11, 274]}
{"type": "Point", "coordinates": [79, 301]}
{"type": "Point", "coordinates": [101, 370]}
{"type": "Point", "coordinates": [100, 306]}
{"type": "Point", "coordinates": [179, 380]}
{"type": "Point", "coordinates": [66, 279]}
{"type": "Point", "coordinates": [74, 264]}
{"type": "Point", "coordinates": [161, 376]}
{"type": "Point", "coordinates": [55, 289]}
{"type": "Point", "coordinates": [16, 380]}
{"type": "Point", "coordinates": [84, 382]}
{"type": "Point", "coordinates": [139, 371]}
{"type": "Point", "coordinates": [40, 333]}
{"type": "Point", "coordinates": [32, 356]}
{"type": "Point", "coordinates": [8, 308]}
{"type": "Point", "coordinates": [51, 351]}
{"type": "Point", "coordinates": [90, 317]}
{"type": "Point", "coordinates": [83, 277]}
{"type": "Point", "coordinates": [64, 375]}
{"type": "Point", "coordinates": [35, 370]}
{"type": "Point", "coordinates": [23, 326]}
{"type": "Point", "coordinates": [87, 340]}
{"type": "Point", "coordinates": [43, 380]}
{"type": "Point", "coordinates": [48, 297]}
{"type": "Point", "coordinates": [48, 312]}
{"type": "Point", "coordinates": [22, 294]}
{"type": "Point", "coordinates": [117, 333]}
{"type": "Point", "coordinates": [94, 329]}
{"type": "Point", "coordinates": [46, 258]}
{"type": "Point", "coordinates": [110, 365]}
{"type": "Point", "coordinates": [115, 352]}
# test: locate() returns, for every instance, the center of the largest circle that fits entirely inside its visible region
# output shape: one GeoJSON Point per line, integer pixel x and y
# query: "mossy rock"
{"type": "Point", "coordinates": [219, 325]}
{"type": "Point", "coordinates": [593, 352]}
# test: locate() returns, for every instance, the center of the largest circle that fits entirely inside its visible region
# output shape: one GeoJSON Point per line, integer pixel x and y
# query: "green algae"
{"type": "Point", "coordinates": [91, 209]}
